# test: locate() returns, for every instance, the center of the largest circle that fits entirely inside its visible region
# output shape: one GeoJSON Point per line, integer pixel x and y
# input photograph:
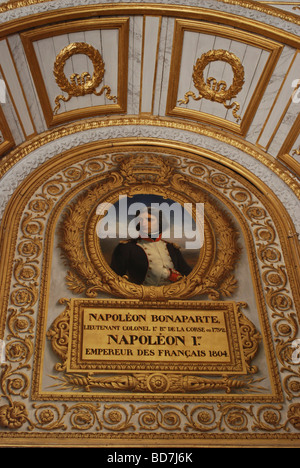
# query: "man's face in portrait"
{"type": "Point", "coordinates": [149, 223]}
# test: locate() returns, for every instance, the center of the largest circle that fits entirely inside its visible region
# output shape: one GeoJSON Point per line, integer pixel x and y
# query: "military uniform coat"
{"type": "Point", "coordinates": [138, 259]}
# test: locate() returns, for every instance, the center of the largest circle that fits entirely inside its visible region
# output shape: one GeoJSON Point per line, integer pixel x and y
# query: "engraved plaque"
{"type": "Point", "coordinates": [190, 336]}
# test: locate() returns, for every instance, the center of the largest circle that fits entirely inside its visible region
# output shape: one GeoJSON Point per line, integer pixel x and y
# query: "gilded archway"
{"type": "Point", "coordinates": [45, 385]}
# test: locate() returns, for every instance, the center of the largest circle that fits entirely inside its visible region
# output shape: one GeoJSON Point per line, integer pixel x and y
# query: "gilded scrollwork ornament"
{"type": "Point", "coordinates": [294, 415]}
{"type": "Point", "coordinates": [13, 416]}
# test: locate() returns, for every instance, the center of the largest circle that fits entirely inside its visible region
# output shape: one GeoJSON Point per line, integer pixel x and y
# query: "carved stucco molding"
{"type": "Point", "coordinates": [253, 10]}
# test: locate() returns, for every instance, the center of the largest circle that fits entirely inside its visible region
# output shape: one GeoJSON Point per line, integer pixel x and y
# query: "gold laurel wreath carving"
{"type": "Point", "coordinates": [213, 90]}
{"type": "Point", "coordinates": [79, 85]}
{"type": "Point", "coordinates": [91, 274]}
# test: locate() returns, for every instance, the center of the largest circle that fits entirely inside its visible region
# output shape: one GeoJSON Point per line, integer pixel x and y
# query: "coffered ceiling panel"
{"type": "Point", "coordinates": [283, 112]}
{"type": "Point", "coordinates": [6, 139]}
{"type": "Point", "coordinates": [219, 74]}
{"type": "Point", "coordinates": [14, 101]}
{"type": "Point", "coordinates": [290, 150]}
{"type": "Point", "coordinates": [81, 69]}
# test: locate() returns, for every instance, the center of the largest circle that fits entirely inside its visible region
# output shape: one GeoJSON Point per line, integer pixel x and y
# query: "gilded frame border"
{"type": "Point", "coordinates": [186, 12]}
{"type": "Point", "coordinates": [170, 184]}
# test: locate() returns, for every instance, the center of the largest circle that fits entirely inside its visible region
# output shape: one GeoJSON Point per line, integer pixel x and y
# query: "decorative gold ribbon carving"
{"type": "Point", "coordinates": [79, 85]}
{"type": "Point", "coordinates": [296, 152]}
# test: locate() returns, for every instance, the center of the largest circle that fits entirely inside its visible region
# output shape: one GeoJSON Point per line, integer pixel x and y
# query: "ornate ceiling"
{"type": "Point", "coordinates": [230, 65]}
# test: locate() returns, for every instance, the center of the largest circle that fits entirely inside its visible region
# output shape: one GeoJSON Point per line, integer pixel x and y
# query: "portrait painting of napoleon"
{"type": "Point", "coordinates": [150, 256]}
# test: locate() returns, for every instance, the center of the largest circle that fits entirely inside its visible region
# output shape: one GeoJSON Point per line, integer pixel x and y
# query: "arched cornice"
{"type": "Point", "coordinates": [16, 166]}
{"type": "Point", "coordinates": [245, 8]}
